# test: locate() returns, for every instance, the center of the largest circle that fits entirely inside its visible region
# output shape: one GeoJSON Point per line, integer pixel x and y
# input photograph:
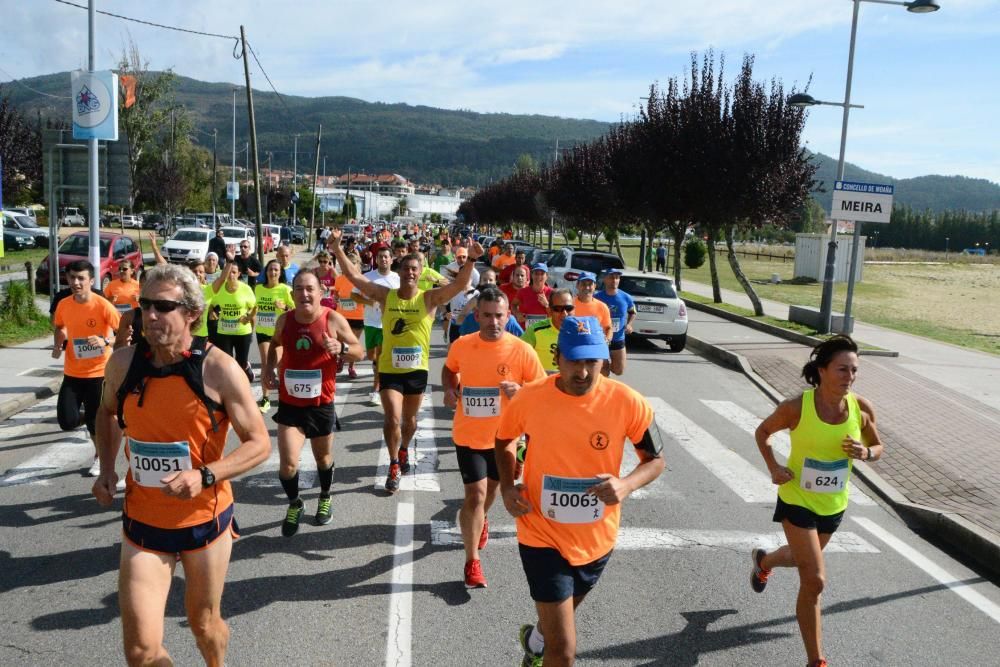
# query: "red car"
{"type": "Point", "coordinates": [114, 249]}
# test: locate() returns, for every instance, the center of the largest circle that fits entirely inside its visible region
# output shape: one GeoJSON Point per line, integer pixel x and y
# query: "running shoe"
{"type": "Point", "coordinates": [340, 365]}
{"type": "Point", "coordinates": [484, 537]}
{"type": "Point", "coordinates": [290, 525]}
{"type": "Point", "coordinates": [758, 576]}
{"type": "Point", "coordinates": [522, 449]}
{"type": "Point", "coordinates": [404, 460]}
{"type": "Point", "coordinates": [324, 513]}
{"type": "Point", "coordinates": [373, 399]}
{"type": "Point", "coordinates": [351, 373]}
{"type": "Point", "coordinates": [120, 484]}
{"type": "Point", "coordinates": [531, 659]}
{"type": "Point", "coordinates": [819, 662]}
{"type": "Point", "coordinates": [392, 479]}
{"type": "Point", "coordinates": [264, 404]}
{"type": "Point", "coordinates": [95, 468]}
{"type": "Point", "coordinates": [474, 574]}
{"type": "Point", "coordinates": [250, 374]}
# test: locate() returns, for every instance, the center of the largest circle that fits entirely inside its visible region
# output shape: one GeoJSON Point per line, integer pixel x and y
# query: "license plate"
{"type": "Point", "coordinates": [649, 308]}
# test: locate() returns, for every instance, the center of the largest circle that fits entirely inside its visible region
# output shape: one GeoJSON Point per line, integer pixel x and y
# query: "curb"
{"type": "Point", "coordinates": [24, 401]}
{"type": "Point", "coordinates": [772, 330]}
{"type": "Point", "coordinates": [960, 533]}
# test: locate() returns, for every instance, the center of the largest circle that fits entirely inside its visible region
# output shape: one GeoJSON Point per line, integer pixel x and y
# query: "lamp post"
{"type": "Point", "coordinates": [232, 206]}
{"type": "Point", "coordinates": [946, 239]}
{"type": "Point", "coordinates": [803, 100]}
{"type": "Point", "coordinates": [295, 180]}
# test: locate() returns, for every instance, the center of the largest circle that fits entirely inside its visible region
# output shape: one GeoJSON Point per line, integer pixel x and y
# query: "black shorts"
{"type": "Point", "coordinates": [806, 518]}
{"type": "Point", "coordinates": [475, 464]}
{"type": "Point", "coordinates": [176, 540]}
{"type": "Point", "coordinates": [357, 325]}
{"type": "Point", "coordinates": [454, 332]}
{"type": "Point", "coordinates": [408, 384]}
{"type": "Point", "coordinates": [263, 337]}
{"type": "Point", "coordinates": [616, 345]}
{"type": "Point", "coordinates": [552, 579]}
{"type": "Point", "coordinates": [76, 393]}
{"type": "Point", "coordinates": [315, 421]}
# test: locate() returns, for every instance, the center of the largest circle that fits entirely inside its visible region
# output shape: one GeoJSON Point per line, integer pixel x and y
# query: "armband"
{"type": "Point", "coordinates": [651, 442]}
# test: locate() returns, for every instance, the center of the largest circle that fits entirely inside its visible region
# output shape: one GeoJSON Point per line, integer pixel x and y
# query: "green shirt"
{"type": "Point", "coordinates": [234, 305]}
{"type": "Point", "coordinates": [543, 337]}
{"type": "Point", "coordinates": [429, 278]}
{"type": "Point", "coordinates": [406, 334]}
{"type": "Point", "coordinates": [267, 312]}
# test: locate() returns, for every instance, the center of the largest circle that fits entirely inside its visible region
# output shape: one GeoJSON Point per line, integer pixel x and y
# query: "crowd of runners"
{"type": "Point", "coordinates": [518, 351]}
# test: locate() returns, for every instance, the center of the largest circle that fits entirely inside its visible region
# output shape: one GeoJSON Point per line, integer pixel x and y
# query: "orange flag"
{"type": "Point", "coordinates": [127, 82]}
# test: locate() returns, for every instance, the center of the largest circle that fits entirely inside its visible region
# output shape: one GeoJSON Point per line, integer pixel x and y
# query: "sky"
{"type": "Point", "coordinates": [930, 83]}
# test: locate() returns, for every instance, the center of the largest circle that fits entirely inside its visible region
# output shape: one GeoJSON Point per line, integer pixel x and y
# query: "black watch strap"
{"type": "Point", "coordinates": [207, 476]}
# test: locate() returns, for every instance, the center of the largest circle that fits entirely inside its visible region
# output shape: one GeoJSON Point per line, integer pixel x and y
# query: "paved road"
{"type": "Point", "coordinates": [382, 584]}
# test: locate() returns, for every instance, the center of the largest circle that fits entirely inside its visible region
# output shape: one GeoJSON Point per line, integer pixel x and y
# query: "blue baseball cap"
{"type": "Point", "coordinates": [582, 338]}
{"type": "Point", "coordinates": [613, 272]}
{"type": "Point", "coordinates": [540, 266]}
{"type": "Point", "coordinates": [586, 275]}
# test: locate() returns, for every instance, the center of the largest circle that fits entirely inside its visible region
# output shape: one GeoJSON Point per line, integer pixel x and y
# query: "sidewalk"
{"type": "Point", "coordinates": [938, 410]}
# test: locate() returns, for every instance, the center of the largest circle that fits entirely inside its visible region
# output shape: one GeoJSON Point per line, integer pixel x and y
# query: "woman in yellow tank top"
{"type": "Point", "coordinates": [830, 427]}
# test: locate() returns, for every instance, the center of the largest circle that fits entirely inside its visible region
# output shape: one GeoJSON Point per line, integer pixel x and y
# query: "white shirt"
{"type": "Point", "coordinates": [373, 314]}
{"type": "Point", "coordinates": [449, 271]}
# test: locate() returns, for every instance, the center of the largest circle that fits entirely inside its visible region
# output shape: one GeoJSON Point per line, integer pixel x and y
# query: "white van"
{"type": "Point", "coordinates": [234, 235]}
{"type": "Point", "coordinates": [187, 244]}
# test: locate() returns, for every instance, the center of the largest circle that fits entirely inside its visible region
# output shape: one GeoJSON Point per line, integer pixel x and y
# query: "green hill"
{"type": "Point", "coordinates": [429, 145]}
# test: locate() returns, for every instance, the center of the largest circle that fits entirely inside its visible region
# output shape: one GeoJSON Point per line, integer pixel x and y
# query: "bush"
{"type": "Point", "coordinates": [570, 235]}
{"type": "Point", "coordinates": [695, 253]}
{"type": "Point", "coordinates": [19, 304]}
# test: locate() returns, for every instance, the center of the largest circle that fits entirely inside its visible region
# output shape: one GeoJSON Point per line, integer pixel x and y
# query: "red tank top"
{"type": "Point", "coordinates": [307, 372]}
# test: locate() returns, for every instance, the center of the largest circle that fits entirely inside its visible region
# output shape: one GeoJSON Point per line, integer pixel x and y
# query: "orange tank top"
{"type": "Point", "coordinates": [157, 445]}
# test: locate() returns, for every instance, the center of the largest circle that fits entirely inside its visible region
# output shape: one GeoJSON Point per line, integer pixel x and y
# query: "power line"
{"type": "Point", "coordinates": [280, 98]}
{"type": "Point", "coordinates": [155, 25]}
{"type": "Point", "coordinates": [24, 85]}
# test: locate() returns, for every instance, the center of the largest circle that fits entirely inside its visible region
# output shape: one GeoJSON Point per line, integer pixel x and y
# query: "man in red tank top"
{"type": "Point", "coordinates": [178, 500]}
{"type": "Point", "coordinates": [302, 365]}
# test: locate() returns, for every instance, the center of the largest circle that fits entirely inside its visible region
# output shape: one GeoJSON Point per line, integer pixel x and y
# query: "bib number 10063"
{"type": "Point", "coordinates": [565, 500]}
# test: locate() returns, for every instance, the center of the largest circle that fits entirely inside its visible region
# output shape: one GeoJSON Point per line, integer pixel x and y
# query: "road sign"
{"type": "Point", "coordinates": [95, 105]}
{"type": "Point", "coordinates": [861, 202]}
{"type": "Point", "coordinates": [232, 190]}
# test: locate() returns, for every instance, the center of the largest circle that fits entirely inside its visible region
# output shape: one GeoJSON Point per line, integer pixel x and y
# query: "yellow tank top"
{"type": "Point", "coordinates": [406, 334]}
{"type": "Point", "coordinates": [202, 329]}
{"type": "Point", "coordinates": [817, 460]}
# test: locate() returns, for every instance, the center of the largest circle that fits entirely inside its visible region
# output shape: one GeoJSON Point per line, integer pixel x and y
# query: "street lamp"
{"type": "Point", "coordinates": [804, 100]}
{"type": "Point", "coordinates": [946, 239]}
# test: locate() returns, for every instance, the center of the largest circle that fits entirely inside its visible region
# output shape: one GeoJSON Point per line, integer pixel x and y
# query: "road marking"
{"type": "Point", "coordinates": [658, 488]}
{"type": "Point", "coordinates": [781, 443]}
{"type": "Point", "coordinates": [748, 482]}
{"type": "Point", "coordinates": [18, 424]}
{"type": "Point", "coordinates": [446, 533]}
{"type": "Point", "coordinates": [399, 638]}
{"type": "Point", "coordinates": [423, 454]}
{"type": "Point", "coordinates": [959, 587]}
{"type": "Point", "coordinates": [76, 450]}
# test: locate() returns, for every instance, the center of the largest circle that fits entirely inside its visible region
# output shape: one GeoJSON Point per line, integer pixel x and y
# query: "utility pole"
{"type": "Point", "coordinates": [295, 181]}
{"type": "Point", "coordinates": [93, 193]}
{"type": "Point", "coordinates": [215, 167]}
{"type": "Point", "coordinates": [322, 210]}
{"type": "Point", "coordinates": [312, 212]}
{"type": "Point", "coordinates": [232, 208]}
{"type": "Point", "coordinates": [253, 144]}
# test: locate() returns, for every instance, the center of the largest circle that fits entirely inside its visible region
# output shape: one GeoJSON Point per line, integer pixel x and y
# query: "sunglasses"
{"type": "Point", "coordinates": [562, 309]}
{"type": "Point", "coordinates": [124, 268]}
{"type": "Point", "coordinates": [161, 305]}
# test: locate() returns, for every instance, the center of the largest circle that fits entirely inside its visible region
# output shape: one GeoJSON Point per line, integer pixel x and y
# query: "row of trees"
{"type": "Point", "coordinates": [723, 158]}
{"type": "Point", "coordinates": [953, 230]}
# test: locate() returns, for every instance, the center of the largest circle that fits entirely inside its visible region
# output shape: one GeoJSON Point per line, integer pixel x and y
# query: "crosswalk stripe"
{"type": "Point", "coordinates": [423, 454]}
{"type": "Point", "coordinates": [745, 480]}
{"type": "Point", "coordinates": [446, 533]}
{"type": "Point", "coordinates": [75, 450]}
{"type": "Point", "coordinates": [658, 488]}
{"type": "Point", "coordinates": [781, 443]}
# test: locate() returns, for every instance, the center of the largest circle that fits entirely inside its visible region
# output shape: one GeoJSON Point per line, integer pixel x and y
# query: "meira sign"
{"type": "Point", "coordinates": [862, 202]}
{"type": "Point", "coordinates": [95, 105]}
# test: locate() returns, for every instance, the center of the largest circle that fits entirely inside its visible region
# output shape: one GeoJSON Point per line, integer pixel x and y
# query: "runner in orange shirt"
{"type": "Point", "coordinates": [85, 326]}
{"type": "Point", "coordinates": [586, 305]}
{"type": "Point", "coordinates": [505, 258]}
{"type": "Point", "coordinates": [569, 504]}
{"type": "Point", "coordinates": [123, 291]}
{"type": "Point", "coordinates": [352, 310]}
{"type": "Point", "coordinates": [480, 376]}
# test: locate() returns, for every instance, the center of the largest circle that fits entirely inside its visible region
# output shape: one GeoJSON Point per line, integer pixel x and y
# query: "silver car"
{"type": "Point", "coordinates": [659, 312]}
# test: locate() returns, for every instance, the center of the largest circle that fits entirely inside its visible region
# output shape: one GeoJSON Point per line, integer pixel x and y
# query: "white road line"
{"type": "Point", "coordinates": [446, 533]}
{"type": "Point", "coordinates": [781, 443]}
{"type": "Point", "coordinates": [423, 454]}
{"type": "Point", "coordinates": [17, 425]}
{"type": "Point", "coordinates": [75, 450]}
{"type": "Point", "coordinates": [658, 488]}
{"type": "Point", "coordinates": [957, 586]}
{"type": "Point", "coordinates": [745, 480]}
{"type": "Point", "coordinates": [399, 638]}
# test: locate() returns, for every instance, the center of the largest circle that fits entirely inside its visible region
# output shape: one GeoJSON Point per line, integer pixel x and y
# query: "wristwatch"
{"type": "Point", "coordinates": [344, 347]}
{"type": "Point", "coordinates": [868, 455]}
{"type": "Point", "coordinates": [207, 476]}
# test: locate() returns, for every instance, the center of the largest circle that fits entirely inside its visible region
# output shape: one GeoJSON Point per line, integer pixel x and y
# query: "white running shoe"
{"type": "Point", "coordinates": [95, 468]}
{"type": "Point", "coordinates": [373, 399]}
{"type": "Point", "coordinates": [120, 486]}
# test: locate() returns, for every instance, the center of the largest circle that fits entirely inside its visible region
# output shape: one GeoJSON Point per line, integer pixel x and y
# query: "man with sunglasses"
{"type": "Point", "coordinates": [543, 336]}
{"type": "Point", "coordinates": [173, 401]}
{"type": "Point", "coordinates": [249, 265]}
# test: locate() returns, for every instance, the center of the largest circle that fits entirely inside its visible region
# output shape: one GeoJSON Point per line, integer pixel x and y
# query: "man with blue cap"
{"type": "Point", "coordinates": [569, 502]}
{"type": "Point", "coordinates": [586, 305]}
{"type": "Point", "coordinates": [622, 309]}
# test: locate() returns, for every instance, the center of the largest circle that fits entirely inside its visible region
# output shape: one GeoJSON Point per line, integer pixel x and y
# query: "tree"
{"type": "Point", "coordinates": [525, 164]}
{"type": "Point", "coordinates": [147, 117]}
{"type": "Point", "coordinates": [21, 148]}
{"type": "Point", "coordinates": [350, 208]}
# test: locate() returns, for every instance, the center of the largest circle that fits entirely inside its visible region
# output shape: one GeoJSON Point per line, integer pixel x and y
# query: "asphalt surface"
{"type": "Point", "coordinates": [383, 583]}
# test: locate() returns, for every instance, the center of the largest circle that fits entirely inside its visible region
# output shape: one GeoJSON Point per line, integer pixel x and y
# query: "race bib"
{"type": "Point", "coordinates": [564, 500]}
{"type": "Point", "coordinates": [531, 319]}
{"type": "Point", "coordinates": [823, 476]}
{"type": "Point", "coordinates": [348, 305]}
{"type": "Point", "coordinates": [616, 324]}
{"type": "Point", "coordinates": [266, 320]}
{"type": "Point", "coordinates": [152, 461]}
{"type": "Point", "coordinates": [84, 350]}
{"type": "Point", "coordinates": [123, 307]}
{"type": "Point", "coordinates": [229, 325]}
{"type": "Point", "coordinates": [304, 384]}
{"type": "Point", "coordinates": [406, 357]}
{"type": "Point", "coordinates": [481, 401]}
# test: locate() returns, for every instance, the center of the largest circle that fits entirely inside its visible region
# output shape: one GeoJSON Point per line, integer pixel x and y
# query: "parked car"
{"type": "Point", "coordinates": [298, 233]}
{"type": "Point", "coordinates": [22, 210]}
{"type": "Point", "coordinates": [234, 235]}
{"type": "Point", "coordinates": [113, 249]}
{"type": "Point", "coordinates": [152, 220]}
{"type": "Point", "coordinates": [274, 232]}
{"type": "Point", "coordinates": [39, 235]}
{"type": "Point", "coordinates": [659, 312]}
{"type": "Point", "coordinates": [187, 244]}
{"type": "Point", "coordinates": [539, 255]}
{"type": "Point", "coordinates": [72, 216]}
{"type": "Point", "coordinates": [567, 263]}
{"type": "Point", "coordinates": [15, 239]}
{"type": "Point", "coordinates": [129, 221]}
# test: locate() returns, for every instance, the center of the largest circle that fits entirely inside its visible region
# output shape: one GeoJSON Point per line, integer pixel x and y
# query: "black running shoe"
{"type": "Point", "coordinates": [758, 576]}
{"type": "Point", "coordinates": [404, 460]}
{"type": "Point", "coordinates": [290, 525]}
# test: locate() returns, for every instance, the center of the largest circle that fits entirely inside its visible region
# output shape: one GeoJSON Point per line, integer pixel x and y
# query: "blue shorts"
{"type": "Point", "coordinates": [176, 540]}
{"type": "Point", "coordinates": [552, 579]}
